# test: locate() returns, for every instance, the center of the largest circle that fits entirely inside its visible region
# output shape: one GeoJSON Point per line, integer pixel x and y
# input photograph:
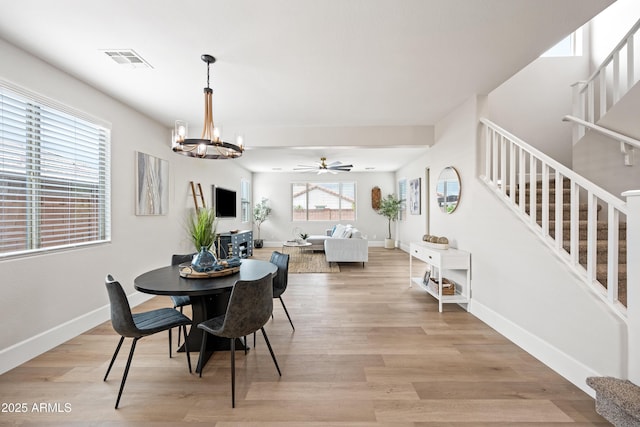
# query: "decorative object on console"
{"type": "Point", "coordinates": [436, 242]}
{"type": "Point", "coordinates": [389, 208]}
{"type": "Point", "coordinates": [448, 190]}
{"type": "Point", "coordinates": [427, 275]}
{"type": "Point", "coordinates": [261, 212]}
{"type": "Point", "coordinates": [209, 145]}
{"type": "Point", "coordinates": [448, 287]}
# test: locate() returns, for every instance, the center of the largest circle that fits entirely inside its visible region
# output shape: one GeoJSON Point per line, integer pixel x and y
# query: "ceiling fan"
{"type": "Point", "coordinates": [323, 167]}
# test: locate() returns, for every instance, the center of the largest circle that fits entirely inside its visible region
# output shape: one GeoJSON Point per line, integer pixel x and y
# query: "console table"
{"type": "Point", "coordinates": [439, 261]}
{"type": "Point", "coordinates": [240, 244]}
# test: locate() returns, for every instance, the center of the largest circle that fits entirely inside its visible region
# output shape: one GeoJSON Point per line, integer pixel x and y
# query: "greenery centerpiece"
{"type": "Point", "coordinates": [202, 230]}
{"type": "Point", "coordinates": [390, 208]}
{"type": "Point", "coordinates": [261, 212]}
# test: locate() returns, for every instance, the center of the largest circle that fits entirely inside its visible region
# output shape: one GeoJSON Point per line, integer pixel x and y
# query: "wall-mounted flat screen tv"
{"type": "Point", "coordinates": [225, 202]}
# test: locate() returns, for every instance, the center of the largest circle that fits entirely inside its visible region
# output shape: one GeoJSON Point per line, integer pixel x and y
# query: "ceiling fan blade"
{"type": "Point", "coordinates": [322, 167]}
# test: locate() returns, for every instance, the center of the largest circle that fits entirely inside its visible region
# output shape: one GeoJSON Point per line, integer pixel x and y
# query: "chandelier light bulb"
{"type": "Point", "coordinates": [210, 145]}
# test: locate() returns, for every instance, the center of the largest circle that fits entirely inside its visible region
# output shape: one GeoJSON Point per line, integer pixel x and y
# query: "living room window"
{"type": "Point", "coordinates": [402, 195]}
{"type": "Point", "coordinates": [245, 200]}
{"type": "Point", "coordinates": [54, 175]}
{"type": "Point", "coordinates": [569, 46]}
{"type": "Point", "coordinates": [331, 201]}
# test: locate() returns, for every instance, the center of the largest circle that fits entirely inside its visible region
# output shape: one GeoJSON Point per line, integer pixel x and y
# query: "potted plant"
{"type": "Point", "coordinates": [390, 208]}
{"type": "Point", "coordinates": [261, 212]}
{"type": "Point", "coordinates": [202, 231]}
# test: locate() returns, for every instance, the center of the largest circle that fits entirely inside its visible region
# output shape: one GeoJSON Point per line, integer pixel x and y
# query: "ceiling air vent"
{"type": "Point", "coordinates": [127, 57]}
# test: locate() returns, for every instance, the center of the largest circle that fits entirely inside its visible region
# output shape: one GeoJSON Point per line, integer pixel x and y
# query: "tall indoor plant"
{"type": "Point", "coordinates": [390, 208]}
{"type": "Point", "coordinates": [261, 212]}
{"type": "Point", "coordinates": [202, 231]}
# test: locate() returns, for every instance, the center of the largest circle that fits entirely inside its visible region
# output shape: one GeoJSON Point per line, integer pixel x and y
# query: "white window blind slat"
{"type": "Point", "coordinates": [54, 176]}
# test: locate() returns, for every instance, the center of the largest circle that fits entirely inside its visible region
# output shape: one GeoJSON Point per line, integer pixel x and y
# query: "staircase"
{"type": "Point", "coordinates": [601, 232]}
{"type": "Point", "coordinates": [582, 223]}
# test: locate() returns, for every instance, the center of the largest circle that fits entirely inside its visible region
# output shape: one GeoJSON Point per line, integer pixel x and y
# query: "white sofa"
{"type": "Point", "coordinates": [342, 244]}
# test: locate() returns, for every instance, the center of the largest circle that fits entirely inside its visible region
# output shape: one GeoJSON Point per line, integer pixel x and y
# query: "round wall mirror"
{"type": "Point", "coordinates": [448, 189]}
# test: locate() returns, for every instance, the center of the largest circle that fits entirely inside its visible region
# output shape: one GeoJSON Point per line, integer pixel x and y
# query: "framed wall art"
{"type": "Point", "coordinates": [152, 185]}
{"type": "Point", "coordinates": [414, 196]}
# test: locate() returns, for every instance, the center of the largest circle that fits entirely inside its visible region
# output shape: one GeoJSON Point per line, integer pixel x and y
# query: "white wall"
{"type": "Point", "coordinates": [412, 227]}
{"type": "Point", "coordinates": [277, 188]}
{"type": "Point", "coordinates": [532, 103]}
{"type": "Point", "coordinates": [596, 157]}
{"type": "Point", "coordinates": [609, 26]}
{"type": "Point", "coordinates": [49, 298]}
{"type": "Point", "coordinates": [518, 287]}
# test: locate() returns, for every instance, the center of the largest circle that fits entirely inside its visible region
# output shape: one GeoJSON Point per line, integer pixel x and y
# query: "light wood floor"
{"type": "Point", "coordinates": [367, 351]}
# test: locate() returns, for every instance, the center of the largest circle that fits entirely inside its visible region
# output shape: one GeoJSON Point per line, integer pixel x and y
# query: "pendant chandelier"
{"type": "Point", "coordinates": [209, 145]}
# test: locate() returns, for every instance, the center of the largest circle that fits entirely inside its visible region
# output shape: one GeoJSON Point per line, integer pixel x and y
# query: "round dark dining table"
{"type": "Point", "coordinates": [209, 296]}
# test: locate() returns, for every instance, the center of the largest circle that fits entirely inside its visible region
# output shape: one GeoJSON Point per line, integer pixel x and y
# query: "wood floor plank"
{"type": "Point", "coordinates": [367, 350]}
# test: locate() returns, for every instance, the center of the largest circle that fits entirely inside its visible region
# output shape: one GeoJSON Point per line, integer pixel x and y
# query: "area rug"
{"type": "Point", "coordinates": [311, 262]}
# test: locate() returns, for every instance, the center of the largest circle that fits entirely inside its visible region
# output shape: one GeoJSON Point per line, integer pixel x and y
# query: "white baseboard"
{"type": "Point", "coordinates": [565, 365]}
{"type": "Point", "coordinates": [26, 350]}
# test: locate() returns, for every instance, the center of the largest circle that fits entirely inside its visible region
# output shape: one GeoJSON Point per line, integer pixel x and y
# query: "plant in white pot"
{"type": "Point", "coordinates": [261, 212]}
{"type": "Point", "coordinates": [202, 230]}
{"type": "Point", "coordinates": [390, 208]}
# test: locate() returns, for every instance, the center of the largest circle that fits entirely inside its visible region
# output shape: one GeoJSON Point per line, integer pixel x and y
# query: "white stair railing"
{"type": "Point", "coordinates": [608, 83]}
{"type": "Point", "coordinates": [510, 166]}
{"type": "Point", "coordinates": [627, 144]}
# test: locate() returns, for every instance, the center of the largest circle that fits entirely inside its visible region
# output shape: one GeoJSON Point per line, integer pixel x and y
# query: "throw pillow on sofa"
{"type": "Point", "coordinates": [338, 230]}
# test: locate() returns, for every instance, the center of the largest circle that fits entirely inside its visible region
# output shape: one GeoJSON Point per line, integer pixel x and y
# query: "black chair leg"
{"type": "Point", "coordinates": [186, 347]}
{"type": "Point", "coordinates": [170, 343]}
{"type": "Point", "coordinates": [203, 346]}
{"type": "Point", "coordinates": [287, 313]}
{"type": "Point", "coordinates": [245, 344]}
{"type": "Point", "coordinates": [185, 334]}
{"type": "Point", "coordinates": [233, 372]}
{"type": "Point", "coordinates": [126, 370]}
{"type": "Point", "coordinates": [273, 356]}
{"type": "Point", "coordinates": [113, 359]}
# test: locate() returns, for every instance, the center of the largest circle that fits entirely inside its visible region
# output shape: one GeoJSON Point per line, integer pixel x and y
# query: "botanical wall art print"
{"type": "Point", "coordinates": [414, 196]}
{"type": "Point", "coordinates": [152, 185]}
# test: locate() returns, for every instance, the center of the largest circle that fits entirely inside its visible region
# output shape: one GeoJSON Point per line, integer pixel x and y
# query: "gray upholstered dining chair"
{"type": "Point", "coordinates": [180, 301]}
{"type": "Point", "coordinates": [279, 285]}
{"type": "Point", "coordinates": [249, 308]}
{"type": "Point", "coordinates": [282, 278]}
{"type": "Point", "coordinates": [138, 325]}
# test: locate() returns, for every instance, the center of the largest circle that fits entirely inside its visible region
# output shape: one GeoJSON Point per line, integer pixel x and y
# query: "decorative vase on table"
{"type": "Point", "coordinates": [204, 260]}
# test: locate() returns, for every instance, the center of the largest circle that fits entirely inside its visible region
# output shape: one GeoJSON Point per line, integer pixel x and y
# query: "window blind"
{"type": "Point", "coordinates": [402, 195]}
{"type": "Point", "coordinates": [54, 177]}
{"type": "Point", "coordinates": [245, 203]}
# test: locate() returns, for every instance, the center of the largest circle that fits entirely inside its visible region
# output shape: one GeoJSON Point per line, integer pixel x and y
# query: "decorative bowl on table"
{"type": "Point", "coordinates": [221, 268]}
